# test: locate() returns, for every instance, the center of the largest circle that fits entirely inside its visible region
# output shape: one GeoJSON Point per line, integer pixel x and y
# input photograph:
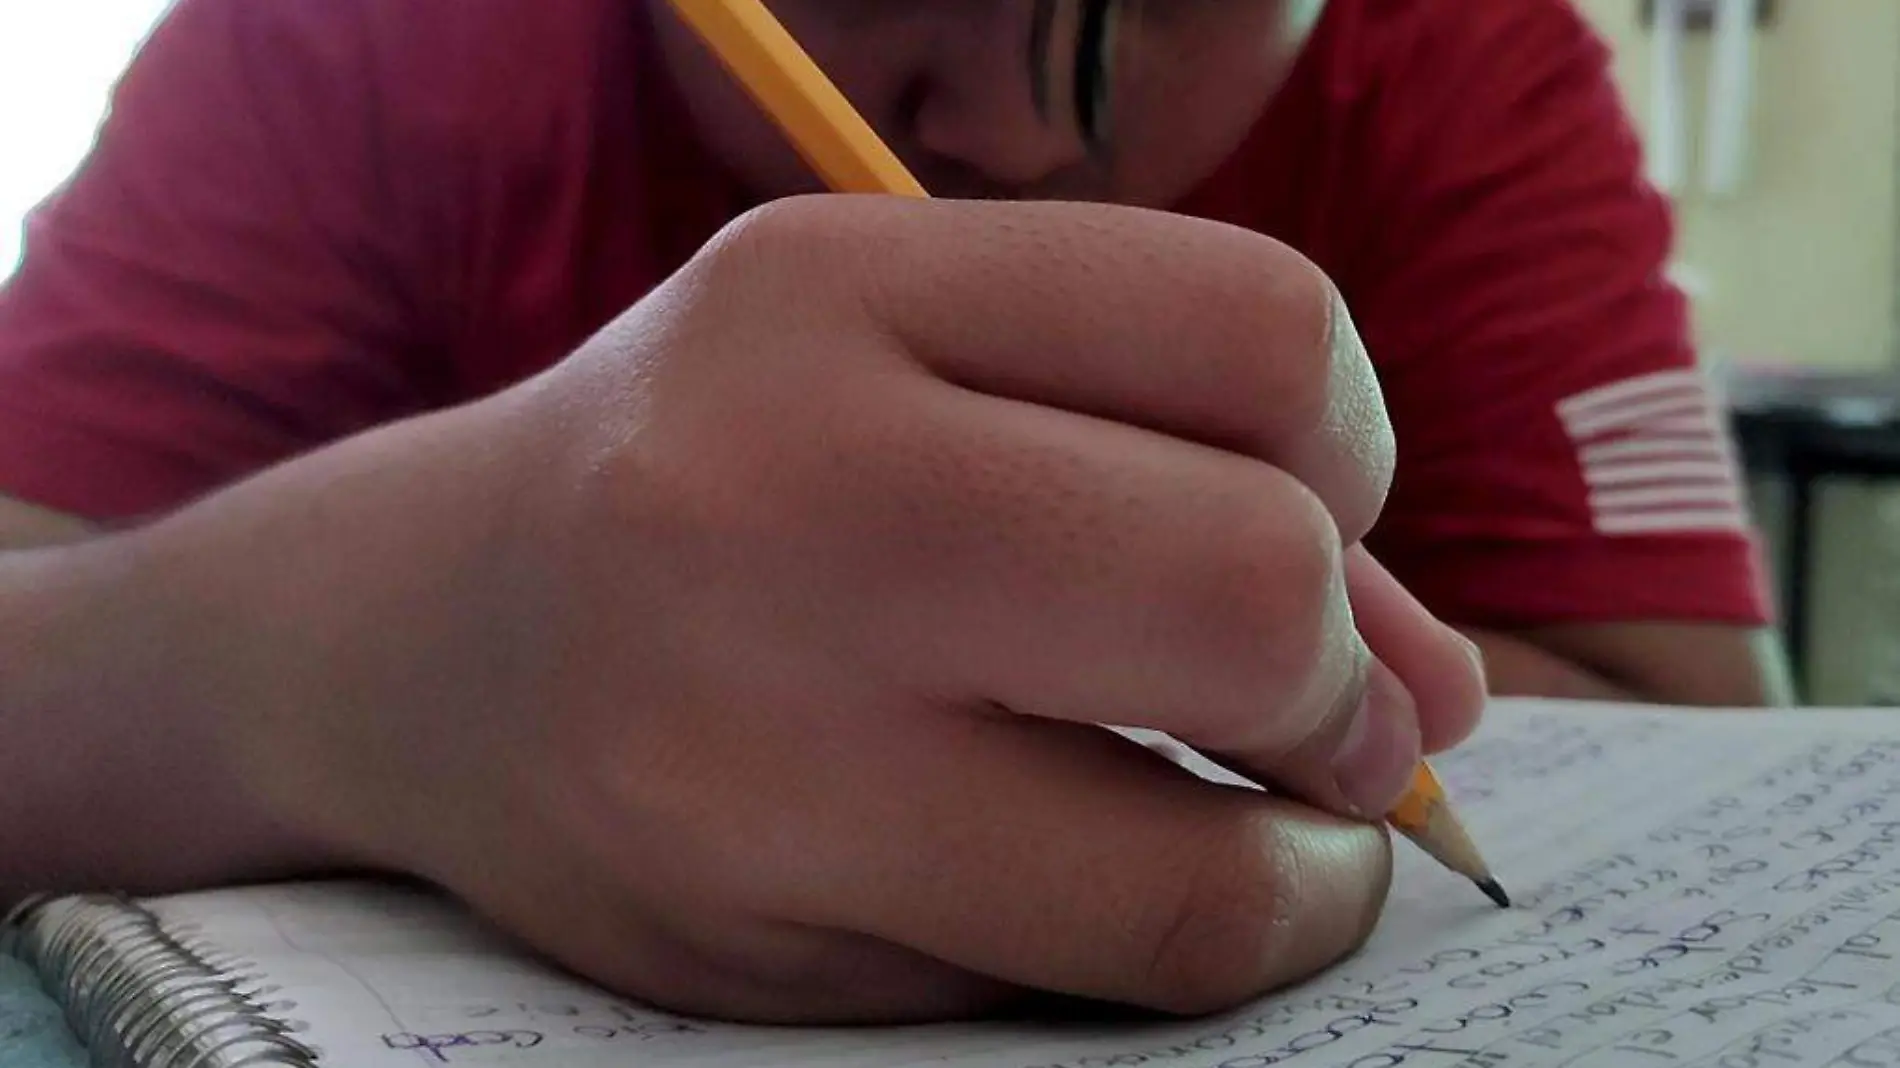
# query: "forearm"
{"type": "Point", "coordinates": [1682, 664]}
{"type": "Point", "coordinates": [113, 776]}
{"type": "Point", "coordinates": [1515, 667]}
{"type": "Point", "coordinates": [166, 690]}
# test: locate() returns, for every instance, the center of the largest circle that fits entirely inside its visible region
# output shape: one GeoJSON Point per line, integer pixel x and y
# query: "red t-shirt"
{"type": "Point", "coordinates": [308, 217]}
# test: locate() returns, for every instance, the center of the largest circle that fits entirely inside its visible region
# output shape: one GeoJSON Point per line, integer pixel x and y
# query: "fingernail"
{"type": "Point", "coordinates": [1473, 653]}
{"type": "Point", "coordinates": [1381, 749]}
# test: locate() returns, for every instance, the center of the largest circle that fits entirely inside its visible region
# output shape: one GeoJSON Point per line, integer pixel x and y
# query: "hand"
{"type": "Point", "coordinates": [783, 699]}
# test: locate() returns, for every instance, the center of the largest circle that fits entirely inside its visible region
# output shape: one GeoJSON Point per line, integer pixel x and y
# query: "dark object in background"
{"type": "Point", "coordinates": [1798, 429]}
{"type": "Point", "coordinates": [1702, 16]}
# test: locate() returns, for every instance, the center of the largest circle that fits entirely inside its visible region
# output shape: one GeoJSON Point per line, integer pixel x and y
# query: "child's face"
{"type": "Point", "coordinates": [947, 83]}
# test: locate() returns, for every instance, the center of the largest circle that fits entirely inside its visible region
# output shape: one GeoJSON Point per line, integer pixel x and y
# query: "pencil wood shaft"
{"type": "Point", "coordinates": [817, 118]}
{"type": "Point", "coordinates": [1425, 816]}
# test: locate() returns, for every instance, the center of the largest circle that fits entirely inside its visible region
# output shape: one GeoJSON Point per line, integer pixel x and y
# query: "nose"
{"type": "Point", "coordinates": [975, 101]}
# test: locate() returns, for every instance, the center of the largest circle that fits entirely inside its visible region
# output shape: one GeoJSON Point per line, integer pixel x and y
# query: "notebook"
{"type": "Point", "coordinates": [1695, 890]}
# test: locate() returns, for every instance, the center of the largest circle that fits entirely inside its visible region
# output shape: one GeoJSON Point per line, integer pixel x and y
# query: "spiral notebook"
{"type": "Point", "coordinates": [1695, 890]}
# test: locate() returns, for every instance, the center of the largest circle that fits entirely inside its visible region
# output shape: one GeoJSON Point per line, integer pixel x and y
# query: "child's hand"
{"type": "Point", "coordinates": [835, 550]}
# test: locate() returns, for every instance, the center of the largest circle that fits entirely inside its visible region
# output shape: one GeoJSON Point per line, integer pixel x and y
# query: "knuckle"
{"type": "Point", "coordinates": [1216, 941]}
{"type": "Point", "coordinates": [765, 223]}
{"type": "Point", "coordinates": [1298, 386]}
{"type": "Point", "coordinates": [765, 234]}
{"type": "Point", "coordinates": [1291, 303]}
{"type": "Point", "coordinates": [1270, 570]}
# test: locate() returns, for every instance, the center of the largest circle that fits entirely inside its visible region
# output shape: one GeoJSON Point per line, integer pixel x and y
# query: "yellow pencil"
{"type": "Point", "coordinates": [821, 124]}
{"type": "Point", "coordinates": [836, 141]}
{"type": "Point", "coordinates": [1424, 815]}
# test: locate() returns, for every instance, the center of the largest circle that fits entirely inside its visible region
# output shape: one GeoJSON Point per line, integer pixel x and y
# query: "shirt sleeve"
{"type": "Point", "coordinates": [1561, 458]}
{"type": "Point", "coordinates": [220, 285]}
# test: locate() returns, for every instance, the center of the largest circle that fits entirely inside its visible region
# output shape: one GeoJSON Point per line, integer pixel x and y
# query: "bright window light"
{"type": "Point", "coordinates": [58, 62]}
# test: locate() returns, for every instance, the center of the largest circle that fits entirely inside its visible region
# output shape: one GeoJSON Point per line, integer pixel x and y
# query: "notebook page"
{"type": "Point", "coordinates": [1694, 889]}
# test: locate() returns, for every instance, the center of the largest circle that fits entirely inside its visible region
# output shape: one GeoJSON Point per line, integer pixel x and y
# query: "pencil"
{"type": "Point", "coordinates": [1425, 816]}
{"type": "Point", "coordinates": [836, 141]}
{"type": "Point", "coordinates": [818, 120]}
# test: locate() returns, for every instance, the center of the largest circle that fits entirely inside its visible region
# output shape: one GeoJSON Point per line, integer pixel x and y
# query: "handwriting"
{"type": "Point", "coordinates": [438, 1047]}
{"type": "Point", "coordinates": [1753, 925]}
{"type": "Point", "coordinates": [1693, 892]}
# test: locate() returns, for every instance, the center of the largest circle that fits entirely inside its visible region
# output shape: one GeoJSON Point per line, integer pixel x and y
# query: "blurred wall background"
{"type": "Point", "coordinates": [1800, 266]}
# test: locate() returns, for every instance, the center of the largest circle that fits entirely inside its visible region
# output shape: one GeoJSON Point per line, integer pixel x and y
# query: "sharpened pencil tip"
{"type": "Point", "coordinates": [1495, 892]}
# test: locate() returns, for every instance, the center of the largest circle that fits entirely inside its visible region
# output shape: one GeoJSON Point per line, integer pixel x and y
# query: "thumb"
{"type": "Point", "coordinates": [1069, 859]}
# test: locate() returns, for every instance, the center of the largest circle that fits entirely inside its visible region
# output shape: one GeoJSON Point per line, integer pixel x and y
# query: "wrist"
{"type": "Point", "coordinates": [355, 611]}
{"type": "Point", "coordinates": [1518, 668]}
{"type": "Point", "coordinates": [116, 767]}
{"type": "Point", "coordinates": [289, 677]}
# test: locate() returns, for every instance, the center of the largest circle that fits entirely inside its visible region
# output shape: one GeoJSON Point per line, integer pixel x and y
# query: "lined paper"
{"type": "Point", "coordinates": [1703, 890]}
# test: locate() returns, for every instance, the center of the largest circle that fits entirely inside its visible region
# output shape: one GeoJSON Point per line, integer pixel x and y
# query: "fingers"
{"type": "Point", "coordinates": [714, 960]}
{"type": "Point", "coordinates": [1068, 859]}
{"type": "Point", "coordinates": [1098, 573]}
{"type": "Point", "coordinates": [1062, 544]}
{"type": "Point", "coordinates": [1441, 669]}
{"type": "Point", "coordinates": [1424, 693]}
{"type": "Point", "coordinates": [772, 972]}
{"type": "Point", "coordinates": [793, 973]}
{"type": "Point", "coordinates": [1194, 329]}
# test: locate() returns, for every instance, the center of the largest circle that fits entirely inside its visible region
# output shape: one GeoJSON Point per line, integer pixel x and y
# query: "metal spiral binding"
{"type": "Point", "coordinates": [140, 996]}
